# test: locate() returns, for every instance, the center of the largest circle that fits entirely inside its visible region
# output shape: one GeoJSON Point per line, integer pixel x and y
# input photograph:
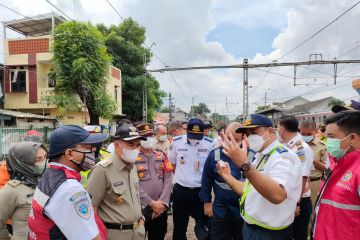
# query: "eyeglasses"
{"type": "Point", "coordinates": [41, 158]}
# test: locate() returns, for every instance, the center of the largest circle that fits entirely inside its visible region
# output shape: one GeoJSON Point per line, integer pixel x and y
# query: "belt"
{"type": "Point", "coordinates": [315, 179]}
{"type": "Point", "coordinates": [254, 226]}
{"type": "Point", "coordinates": [188, 188]}
{"type": "Point", "coordinates": [116, 226]}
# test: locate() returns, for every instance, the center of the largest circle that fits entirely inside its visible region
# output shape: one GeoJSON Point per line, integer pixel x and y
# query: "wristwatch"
{"type": "Point", "coordinates": [245, 166]}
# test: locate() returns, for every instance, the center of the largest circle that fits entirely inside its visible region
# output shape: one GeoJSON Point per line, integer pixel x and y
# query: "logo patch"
{"type": "Point", "coordinates": [81, 204]}
{"type": "Point", "coordinates": [196, 128]}
{"type": "Point", "coordinates": [347, 176]}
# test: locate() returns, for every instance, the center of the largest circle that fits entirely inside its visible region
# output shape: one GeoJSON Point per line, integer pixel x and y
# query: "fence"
{"type": "Point", "coordinates": [10, 136]}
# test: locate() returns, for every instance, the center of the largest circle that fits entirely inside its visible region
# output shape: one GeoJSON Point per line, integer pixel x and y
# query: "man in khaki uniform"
{"type": "Point", "coordinates": [114, 187]}
{"type": "Point", "coordinates": [162, 142]}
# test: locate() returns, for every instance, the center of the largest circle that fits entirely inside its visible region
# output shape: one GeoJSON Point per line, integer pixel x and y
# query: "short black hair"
{"type": "Point", "coordinates": [348, 121]}
{"type": "Point", "coordinates": [222, 127]}
{"type": "Point", "coordinates": [175, 125]}
{"type": "Point", "coordinates": [308, 124]}
{"type": "Point", "coordinates": [290, 123]}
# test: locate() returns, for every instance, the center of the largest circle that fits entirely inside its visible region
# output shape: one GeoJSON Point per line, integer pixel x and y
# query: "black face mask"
{"type": "Point", "coordinates": [88, 161]}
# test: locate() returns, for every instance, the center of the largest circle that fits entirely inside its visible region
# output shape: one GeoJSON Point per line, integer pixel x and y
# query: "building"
{"type": "Point", "coordinates": [27, 67]}
{"type": "Point", "coordinates": [25, 120]}
{"type": "Point", "coordinates": [163, 118]}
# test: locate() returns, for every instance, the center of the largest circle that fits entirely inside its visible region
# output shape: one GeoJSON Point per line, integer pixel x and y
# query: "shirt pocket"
{"type": "Point", "coordinates": [121, 192]}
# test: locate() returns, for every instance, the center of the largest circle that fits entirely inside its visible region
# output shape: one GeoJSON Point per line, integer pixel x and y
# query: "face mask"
{"type": "Point", "coordinates": [39, 168]}
{"type": "Point", "coordinates": [333, 147]}
{"type": "Point", "coordinates": [163, 138]}
{"type": "Point", "coordinates": [149, 143]}
{"type": "Point", "coordinates": [307, 138]}
{"type": "Point", "coordinates": [193, 142]}
{"type": "Point", "coordinates": [130, 155]}
{"type": "Point", "coordinates": [278, 136]}
{"type": "Point", "coordinates": [256, 142]}
{"type": "Point", "coordinates": [87, 162]}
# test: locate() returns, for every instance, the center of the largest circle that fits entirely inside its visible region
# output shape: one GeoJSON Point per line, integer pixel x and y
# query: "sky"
{"type": "Point", "coordinates": [223, 32]}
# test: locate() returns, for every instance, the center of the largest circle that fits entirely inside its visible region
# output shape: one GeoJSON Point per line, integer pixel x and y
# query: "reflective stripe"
{"type": "Point", "coordinates": [217, 155]}
{"type": "Point", "coordinates": [223, 185]}
{"type": "Point", "coordinates": [340, 205]}
{"type": "Point", "coordinates": [253, 221]}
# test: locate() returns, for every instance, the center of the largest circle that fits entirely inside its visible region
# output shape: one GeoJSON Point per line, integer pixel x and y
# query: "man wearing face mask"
{"type": "Point", "coordinates": [61, 207]}
{"type": "Point", "coordinates": [114, 187]}
{"type": "Point", "coordinates": [338, 206]}
{"type": "Point", "coordinates": [224, 210]}
{"type": "Point", "coordinates": [273, 185]}
{"type": "Point", "coordinates": [155, 184]}
{"type": "Point", "coordinates": [287, 133]}
{"type": "Point", "coordinates": [189, 154]}
{"type": "Point", "coordinates": [162, 143]}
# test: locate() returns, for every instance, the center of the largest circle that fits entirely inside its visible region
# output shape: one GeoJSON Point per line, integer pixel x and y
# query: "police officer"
{"type": "Point", "coordinates": [273, 185]}
{"type": "Point", "coordinates": [61, 207]}
{"type": "Point", "coordinates": [188, 153]}
{"type": "Point", "coordinates": [114, 186]}
{"type": "Point", "coordinates": [225, 211]}
{"type": "Point", "coordinates": [26, 161]}
{"type": "Point", "coordinates": [288, 133]}
{"type": "Point", "coordinates": [155, 184]}
{"type": "Point", "coordinates": [162, 143]}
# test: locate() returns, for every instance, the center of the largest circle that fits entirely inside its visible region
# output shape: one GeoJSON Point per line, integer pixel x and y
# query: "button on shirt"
{"type": "Point", "coordinates": [285, 169]}
{"type": "Point", "coordinates": [306, 156]}
{"type": "Point", "coordinates": [62, 211]}
{"type": "Point", "coordinates": [189, 160]}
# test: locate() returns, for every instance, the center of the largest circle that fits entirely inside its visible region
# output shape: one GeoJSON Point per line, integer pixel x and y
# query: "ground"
{"type": "Point", "coordinates": [190, 232]}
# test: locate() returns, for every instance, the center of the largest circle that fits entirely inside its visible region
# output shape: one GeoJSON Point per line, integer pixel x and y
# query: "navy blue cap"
{"type": "Point", "coordinates": [255, 120]}
{"type": "Point", "coordinates": [354, 105]}
{"type": "Point", "coordinates": [67, 136]}
{"type": "Point", "coordinates": [195, 129]}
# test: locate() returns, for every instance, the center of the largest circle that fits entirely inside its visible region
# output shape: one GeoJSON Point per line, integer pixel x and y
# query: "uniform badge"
{"type": "Point", "coordinates": [347, 176]}
{"type": "Point", "coordinates": [140, 167]}
{"type": "Point", "coordinates": [141, 175]}
{"type": "Point", "coordinates": [81, 204]}
{"type": "Point", "coordinates": [161, 166]}
{"type": "Point", "coordinates": [120, 200]}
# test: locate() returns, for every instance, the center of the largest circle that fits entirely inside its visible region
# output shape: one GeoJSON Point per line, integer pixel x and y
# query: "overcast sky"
{"type": "Point", "coordinates": [221, 32]}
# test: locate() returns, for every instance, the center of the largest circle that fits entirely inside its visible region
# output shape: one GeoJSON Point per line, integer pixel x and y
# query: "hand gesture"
{"type": "Point", "coordinates": [223, 169]}
{"type": "Point", "coordinates": [233, 151]}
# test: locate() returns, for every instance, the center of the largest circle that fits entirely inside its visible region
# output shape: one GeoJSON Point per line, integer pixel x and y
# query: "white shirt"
{"type": "Point", "coordinates": [285, 169]}
{"type": "Point", "coordinates": [71, 209]}
{"type": "Point", "coordinates": [306, 156]}
{"type": "Point", "coordinates": [189, 160]}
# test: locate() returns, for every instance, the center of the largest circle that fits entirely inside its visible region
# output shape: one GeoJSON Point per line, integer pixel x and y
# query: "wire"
{"type": "Point", "coordinates": [316, 33]}
{"type": "Point", "coordinates": [114, 9]}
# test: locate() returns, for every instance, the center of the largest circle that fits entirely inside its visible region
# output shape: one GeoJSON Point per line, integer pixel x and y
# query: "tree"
{"type": "Point", "coordinates": [261, 108]}
{"type": "Point", "coordinates": [81, 65]}
{"type": "Point", "coordinates": [336, 102]}
{"type": "Point", "coordinates": [201, 109]}
{"type": "Point", "coordinates": [124, 43]}
{"type": "Point", "coordinates": [219, 120]}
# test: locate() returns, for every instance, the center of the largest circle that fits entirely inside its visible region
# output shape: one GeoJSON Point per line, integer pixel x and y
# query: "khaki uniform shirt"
{"type": "Point", "coordinates": [155, 183]}
{"type": "Point", "coordinates": [319, 151]}
{"type": "Point", "coordinates": [15, 203]}
{"type": "Point", "coordinates": [163, 146]}
{"type": "Point", "coordinates": [114, 189]}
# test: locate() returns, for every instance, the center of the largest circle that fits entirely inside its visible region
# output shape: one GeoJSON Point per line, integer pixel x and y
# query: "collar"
{"type": "Point", "coordinates": [62, 165]}
{"type": "Point", "coordinates": [294, 140]}
{"type": "Point", "coordinates": [69, 172]}
{"type": "Point", "coordinates": [316, 141]}
{"type": "Point", "coordinates": [270, 147]}
{"type": "Point", "coordinates": [188, 142]}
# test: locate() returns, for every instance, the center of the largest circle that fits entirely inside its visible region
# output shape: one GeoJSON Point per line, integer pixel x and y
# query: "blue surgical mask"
{"type": "Point", "coordinates": [307, 138]}
{"type": "Point", "coordinates": [333, 147]}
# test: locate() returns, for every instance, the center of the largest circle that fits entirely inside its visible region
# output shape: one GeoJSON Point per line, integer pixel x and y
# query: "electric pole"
{"type": "Point", "coordinates": [170, 108]}
{"type": "Point", "coordinates": [192, 107]}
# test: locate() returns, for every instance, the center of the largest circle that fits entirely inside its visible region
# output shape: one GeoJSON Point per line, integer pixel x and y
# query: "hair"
{"type": "Point", "coordinates": [290, 123]}
{"type": "Point", "coordinates": [348, 121]}
{"type": "Point", "coordinates": [175, 125]}
{"type": "Point", "coordinates": [221, 128]}
{"type": "Point", "coordinates": [157, 127]}
{"type": "Point", "coordinates": [308, 124]}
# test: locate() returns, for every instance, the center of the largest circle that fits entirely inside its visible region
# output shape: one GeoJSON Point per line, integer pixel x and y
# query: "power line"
{"type": "Point", "coordinates": [323, 28]}
{"type": "Point", "coordinates": [114, 9]}
{"type": "Point", "coordinates": [62, 12]}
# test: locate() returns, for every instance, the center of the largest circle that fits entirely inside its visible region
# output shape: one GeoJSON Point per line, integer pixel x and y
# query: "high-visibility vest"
{"type": "Point", "coordinates": [248, 186]}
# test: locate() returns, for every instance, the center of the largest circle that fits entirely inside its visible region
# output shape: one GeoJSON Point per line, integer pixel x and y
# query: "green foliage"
{"type": "Point", "coordinates": [219, 120]}
{"type": "Point", "coordinates": [64, 103]}
{"type": "Point", "coordinates": [124, 43]}
{"type": "Point", "coordinates": [336, 102]}
{"type": "Point", "coordinates": [261, 108]}
{"type": "Point", "coordinates": [81, 64]}
{"type": "Point", "coordinates": [201, 109]}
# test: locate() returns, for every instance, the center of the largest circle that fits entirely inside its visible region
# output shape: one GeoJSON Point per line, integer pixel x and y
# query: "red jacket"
{"type": "Point", "coordinates": [338, 214]}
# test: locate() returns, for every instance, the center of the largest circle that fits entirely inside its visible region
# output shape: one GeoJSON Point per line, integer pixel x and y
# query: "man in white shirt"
{"type": "Point", "coordinates": [288, 133]}
{"type": "Point", "coordinates": [273, 185]}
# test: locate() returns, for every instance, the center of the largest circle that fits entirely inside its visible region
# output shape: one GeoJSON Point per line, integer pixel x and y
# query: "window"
{"type": "Point", "coordinates": [18, 80]}
{"type": "Point", "coordinates": [116, 93]}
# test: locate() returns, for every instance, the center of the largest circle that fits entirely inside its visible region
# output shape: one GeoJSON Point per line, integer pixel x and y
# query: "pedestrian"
{"type": "Point", "coordinates": [162, 142]}
{"type": "Point", "coordinates": [26, 162]}
{"type": "Point", "coordinates": [188, 154]}
{"type": "Point", "coordinates": [288, 133]}
{"type": "Point", "coordinates": [155, 179]}
{"type": "Point", "coordinates": [273, 185]}
{"type": "Point", "coordinates": [114, 187]}
{"type": "Point", "coordinates": [61, 207]}
{"type": "Point", "coordinates": [338, 206]}
{"type": "Point", "coordinates": [224, 210]}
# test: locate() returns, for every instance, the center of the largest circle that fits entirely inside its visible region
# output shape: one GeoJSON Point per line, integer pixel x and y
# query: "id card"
{"type": "Point", "coordinates": [197, 165]}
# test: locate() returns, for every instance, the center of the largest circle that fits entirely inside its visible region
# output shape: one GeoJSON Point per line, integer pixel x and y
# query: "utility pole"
{"type": "Point", "coordinates": [192, 107]}
{"type": "Point", "coordinates": [170, 108]}
{"type": "Point", "coordinates": [265, 98]}
{"type": "Point", "coordinates": [245, 89]}
{"type": "Point", "coordinates": [145, 110]}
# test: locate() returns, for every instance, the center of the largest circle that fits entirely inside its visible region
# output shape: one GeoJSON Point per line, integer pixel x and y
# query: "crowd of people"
{"type": "Point", "coordinates": [255, 180]}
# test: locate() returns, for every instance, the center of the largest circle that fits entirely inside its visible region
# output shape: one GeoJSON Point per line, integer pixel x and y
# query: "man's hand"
{"type": "Point", "coordinates": [208, 209]}
{"type": "Point", "coordinates": [297, 211]}
{"type": "Point", "coordinates": [157, 206]}
{"type": "Point", "coordinates": [223, 169]}
{"type": "Point", "coordinates": [233, 151]}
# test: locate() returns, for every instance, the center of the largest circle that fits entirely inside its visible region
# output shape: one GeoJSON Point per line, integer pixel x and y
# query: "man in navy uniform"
{"type": "Point", "coordinates": [188, 154]}
{"type": "Point", "coordinates": [225, 210]}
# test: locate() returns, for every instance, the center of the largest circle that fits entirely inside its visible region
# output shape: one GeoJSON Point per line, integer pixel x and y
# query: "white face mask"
{"type": "Point", "coordinates": [129, 155]}
{"type": "Point", "coordinates": [193, 142]}
{"type": "Point", "coordinates": [149, 143]}
{"type": "Point", "coordinates": [256, 142]}
{"type": "Point", "coordinates": [163, 138]}
{"type": "Point", "coordinates": [307, 138]}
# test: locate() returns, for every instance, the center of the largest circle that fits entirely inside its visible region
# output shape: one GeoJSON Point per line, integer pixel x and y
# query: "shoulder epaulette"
{"type": "Point", "coordinates": [177, 138]}
{"type": "Point", "coordinates": [208, 139]}
{"type": "Point", "coordinates": [105, 163]}
{"type": "Point", "coordinates": [299, 145]}
{"type": "Point", "coordinates": [14, 183]}
{"type": "Point", "coordinates": [281, 149]}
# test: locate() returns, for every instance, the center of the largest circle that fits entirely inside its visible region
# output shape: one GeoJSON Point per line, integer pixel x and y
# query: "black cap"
{"type": "Point", "coordinates": [354, 105]}
{"type": "Point", "coordinates": [127, 132]}
{"type": "Point", "coordinates": [67, 136]}
{"type": "Point", "coordinates": [254, 121]}
{"type": "Point", "coordinates": [195, 129]}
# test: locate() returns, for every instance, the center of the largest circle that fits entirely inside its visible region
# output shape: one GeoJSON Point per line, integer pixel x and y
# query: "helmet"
{"type": "Point", "coordinates": [20, 162]}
